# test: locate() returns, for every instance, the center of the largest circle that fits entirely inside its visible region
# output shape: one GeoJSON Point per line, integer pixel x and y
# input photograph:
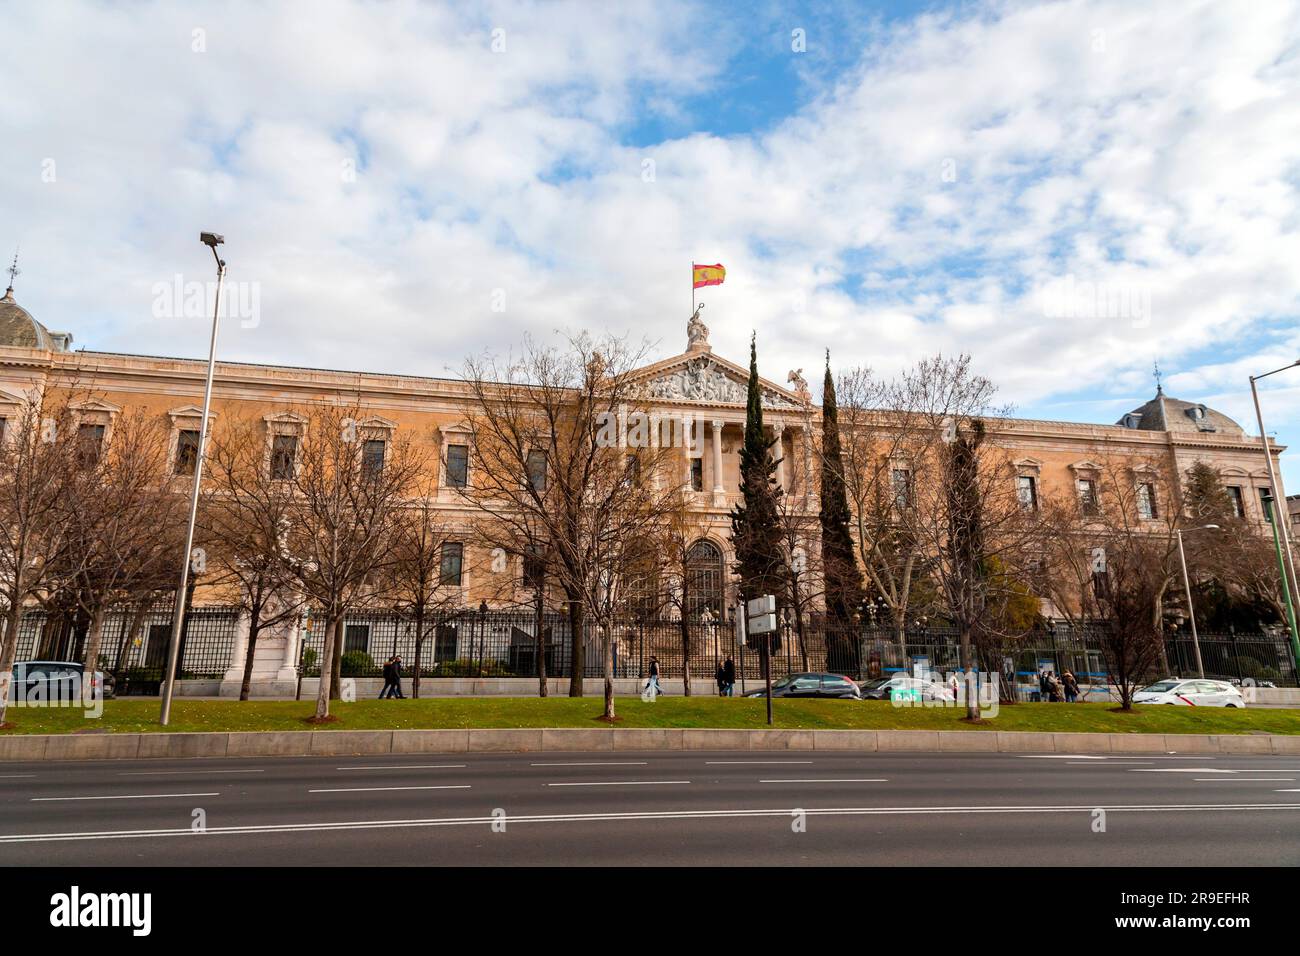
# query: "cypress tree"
{"type": "Point", "coordinates": [842, 580]}
{"type": "Point", "coordinates": [756, 521]}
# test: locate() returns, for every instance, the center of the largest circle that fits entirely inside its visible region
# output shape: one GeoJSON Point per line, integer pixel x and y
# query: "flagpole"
{"type": "Point", "coordinates": [692, 288]}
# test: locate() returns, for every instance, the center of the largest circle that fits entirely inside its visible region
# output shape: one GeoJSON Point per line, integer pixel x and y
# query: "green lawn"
{"type": "Point", "coordinates": [141, 715]}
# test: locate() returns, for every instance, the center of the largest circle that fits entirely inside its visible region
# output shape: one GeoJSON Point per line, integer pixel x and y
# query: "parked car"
{"type": "Point", "coordinates": [58, 680]}
{"type": "Point", "coordinates": [1191, 693]}
{"type": "Point", "coordinates": [902, 687]}
{"type": "Point", "coordinates": [811, 685]}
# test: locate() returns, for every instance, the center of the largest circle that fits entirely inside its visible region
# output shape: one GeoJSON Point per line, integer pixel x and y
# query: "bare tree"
{"type": "Point", "coordinates": [36, 464]}
{"type": "Point", "coordinates": [414, 576]}
{"type": "Point", "coordinates": [346, 516]}
{"type": "Point", "coordinates": [545, 431]}
{"type": "Point", "coordinates": [124, 529]}
{"type": "Point", "coordinates": [246, 517]}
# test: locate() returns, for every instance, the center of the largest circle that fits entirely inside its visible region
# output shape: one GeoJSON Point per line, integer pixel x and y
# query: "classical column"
{"type": "Point", "coordinates": [688, 439]}
{"type": "Point", "coordinates": [717, 458]}
{"type": "Point", "coordinates": [779, 448]}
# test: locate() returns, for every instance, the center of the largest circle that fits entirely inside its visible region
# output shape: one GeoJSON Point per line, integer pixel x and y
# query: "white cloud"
{"type": "Point", "coordinates": [1151, 147]}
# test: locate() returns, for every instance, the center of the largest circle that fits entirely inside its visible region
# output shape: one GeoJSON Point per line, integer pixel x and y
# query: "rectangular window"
{"type": "Point", "coordinates": [697, 474]}
{"type": "Point", "coordinates": [1238, 503]}
{"type": "Point", "coordinates": [372, 457]}
{"type": "Point", "coordinates": [90, 443]}
{"type": "Point", "coordinates": [457, 466]}
{"type": "Point", "coordinates": [1266, 504]}
{"type": "Point", "coordinates": [1027, 492]}
{"type": "Point", "coordinates": [4, 423]}
{"type": "Point", "coordinates": [537, 470]}
{"type": "Point", "coordinates": [453, 559]}
{"type": "Point", "coordinates": [284, 456]}
{"type": "Point", "coordinates": [356, 637]}
{"type": "Point", "coordinates": [534, 571]}
{"type": "Point", "coordinates": [1146, 499]}
{"type": "Point", "coordinates": [902, 487]}
{"type": "Point", "coordinates": [1087, 495]}
{"type": "Point", "coordinates": [187, 451]}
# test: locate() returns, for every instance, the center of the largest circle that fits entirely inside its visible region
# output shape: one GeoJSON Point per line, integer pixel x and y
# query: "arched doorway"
{"type": "Point", "coordinates": [704, 580]}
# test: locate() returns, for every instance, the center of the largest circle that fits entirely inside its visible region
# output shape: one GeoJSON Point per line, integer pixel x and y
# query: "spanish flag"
{"type": "Point", "coordinates": [708, 275]}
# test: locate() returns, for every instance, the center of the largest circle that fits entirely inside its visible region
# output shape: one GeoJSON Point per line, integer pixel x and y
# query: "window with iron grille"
{"type": "Point", "coordinates": [703, 580]}
{"type": "Point", "coordinates": [1238, 502]}
{"type": "Point", "coordinates": [537, 470]}
{"type": "Point", "coordinates": [444, 642]}
{"type": "Point", "coordinates": [1027, 492]}
{"type": "Point", "coordinates": [697, 474]}
{"type": "Point", "coordinates": [1087, 495]}
{"type": "Point", "coordinates": [1146, 501]}
{"type": "Point", "coordinates": [284, 455]}
{"type": "Point", "coordinates": [534, 571]}
{"type": "Point", "coordinates": [372, 456]}
{"type": "Point", "coordinates": [457, 466]}
{"type": "Point", "coordinates": [453, 557]}
{"type": "Point", "coordinates": [90, 443]}
{"type": "Point", "coordinates": [901, 479]}
{"type": "Point", "coordinates": [187, 451]}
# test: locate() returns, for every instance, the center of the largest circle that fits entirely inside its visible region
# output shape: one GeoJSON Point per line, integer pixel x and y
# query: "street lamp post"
{"type": "Point", "coordinates": [1285, 560]}
{"type": "Point", "coordinates": [211, 240]}
{"type": "Point", "coordinates": [1187, 588]}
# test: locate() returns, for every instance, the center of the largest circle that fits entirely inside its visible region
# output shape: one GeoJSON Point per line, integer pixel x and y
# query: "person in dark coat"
{"type": "Point", "coordinates": [1071, 687]}
{"type": "Point", "coordinates": [729, 677]}
{"type": "Point", "coordinates": [720, 678]}
{"type": "Point", "coordinates": [388, 679]}
{"type": "Point", "coordinates": [397, 677]}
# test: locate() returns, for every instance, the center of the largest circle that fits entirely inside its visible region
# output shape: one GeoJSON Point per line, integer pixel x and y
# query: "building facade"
{"type": "Point", "coordinates": [1048, 456]}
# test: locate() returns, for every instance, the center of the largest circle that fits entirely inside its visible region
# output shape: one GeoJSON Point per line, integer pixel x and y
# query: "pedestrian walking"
{"type": "Point", "coordinates": [1044, 686]}
{"type": "Point", "coordinates": [388, 679]}
{"type": "Point", "coordinates": [397, 677]}
{"type": "Point", "coordinates": [1071, 687]}
{"type": "Point", "coordinates": [720, 678]}
{"type": "Point", "coordinates": [654, 676]}
{"type": "Point", "coordinates": [1056, 691]}
{"type": "Point", "coordinates": [729, 675]}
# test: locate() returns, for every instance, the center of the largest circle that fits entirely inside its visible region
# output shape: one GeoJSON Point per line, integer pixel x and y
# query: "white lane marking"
{"type": "Point", "coordinates": [14, 776]}
{"type": "Point", "coordinates": [829, 780]}
{"type": "Point", "coordinates": [169, 773]}
{"type": "Point", "coordinates": [1060, 757]}
{"type": "Point", "coordinates": [1080, 763]}
{"type": "Point", "coordinates": [620, 817]}
{"type": "Point", "coordinates": [461, 786]}
{"type": "Point", "coordinates": [410, 766]}
{"type": "Point", "coordinates": [126, 796]}
{"type": "Point", "coordinates": [592, 763]}
{"type": "Point", "coordinates": [619, 783]}
{"type": "Point", "coordinates": [1184, 770]}
{"type": "Point", "coordinates": [1293, 790]}
{"type": "Point", "coordinates": [1247, 780]}
{"type": "Point", "coordinates": [745, 763]}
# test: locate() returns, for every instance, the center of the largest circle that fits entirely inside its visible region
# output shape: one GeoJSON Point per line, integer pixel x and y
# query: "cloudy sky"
{"type": "Point", "coordinates": [1070, 191]}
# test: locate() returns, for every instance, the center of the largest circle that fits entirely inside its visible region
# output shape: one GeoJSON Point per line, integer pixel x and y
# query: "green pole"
{"type": "Point", "coordinates": [1286, 588]}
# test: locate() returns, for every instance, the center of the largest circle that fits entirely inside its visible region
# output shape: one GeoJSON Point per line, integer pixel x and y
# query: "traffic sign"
{"type": "Point", "coordinates": [761, 605]}
{"type": "Point", "coordinates": [763, 624]}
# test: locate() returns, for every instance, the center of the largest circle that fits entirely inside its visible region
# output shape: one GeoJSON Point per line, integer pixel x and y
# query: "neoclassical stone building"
{"type": "Point", "coordinates": [1048, 456]}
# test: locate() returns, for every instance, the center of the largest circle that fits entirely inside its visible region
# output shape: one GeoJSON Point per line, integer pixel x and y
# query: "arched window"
{"type": "Point", "coordinates": [703, 580]}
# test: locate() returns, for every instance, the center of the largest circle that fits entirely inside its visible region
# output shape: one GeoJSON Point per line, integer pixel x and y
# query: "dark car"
{"type": "Point", "coordinates": [57, 680]}
{"type": "Point", "coordinates": [811, 685]}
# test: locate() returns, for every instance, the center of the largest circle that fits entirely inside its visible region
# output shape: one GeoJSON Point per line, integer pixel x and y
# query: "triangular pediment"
{"type": "Point", "coordinates": [700, 377]}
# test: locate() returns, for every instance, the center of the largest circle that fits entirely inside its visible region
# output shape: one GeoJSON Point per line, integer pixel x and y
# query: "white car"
{"type": "Point", "coordinates": [1191, 693]}
{"type": "Point", "coordinates": [905, 688]}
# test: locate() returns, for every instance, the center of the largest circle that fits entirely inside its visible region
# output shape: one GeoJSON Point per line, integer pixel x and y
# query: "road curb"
{"type": "Point", "coordinates": [305, 743]}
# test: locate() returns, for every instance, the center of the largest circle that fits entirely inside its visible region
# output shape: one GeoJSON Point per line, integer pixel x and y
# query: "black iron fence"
{"type": "Point", "coordinates": [505, 644]}
{"type": "Point", "coordinates": [133, 645]}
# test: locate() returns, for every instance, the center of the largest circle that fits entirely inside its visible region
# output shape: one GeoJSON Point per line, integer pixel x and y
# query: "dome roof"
{"type": "Point", "coordinates": [1163, 413]}
{"type": "Point", "coordinates": [18, 328]}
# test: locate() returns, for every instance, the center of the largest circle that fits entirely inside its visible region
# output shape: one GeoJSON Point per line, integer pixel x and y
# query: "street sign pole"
{"type": "Point", "coordinates": [761, 614]}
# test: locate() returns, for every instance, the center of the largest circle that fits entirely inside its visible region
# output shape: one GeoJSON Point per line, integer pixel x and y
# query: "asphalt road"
{"type": "Point", "coordinates": [677, 809]}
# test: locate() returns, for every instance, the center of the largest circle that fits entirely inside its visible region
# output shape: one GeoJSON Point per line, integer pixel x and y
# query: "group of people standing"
{"type": "Point", "coordinates": [1058, 689]}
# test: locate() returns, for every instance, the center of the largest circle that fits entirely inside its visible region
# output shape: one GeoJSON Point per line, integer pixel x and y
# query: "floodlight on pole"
{"type": "Point", "coordinates": [211, 240]}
